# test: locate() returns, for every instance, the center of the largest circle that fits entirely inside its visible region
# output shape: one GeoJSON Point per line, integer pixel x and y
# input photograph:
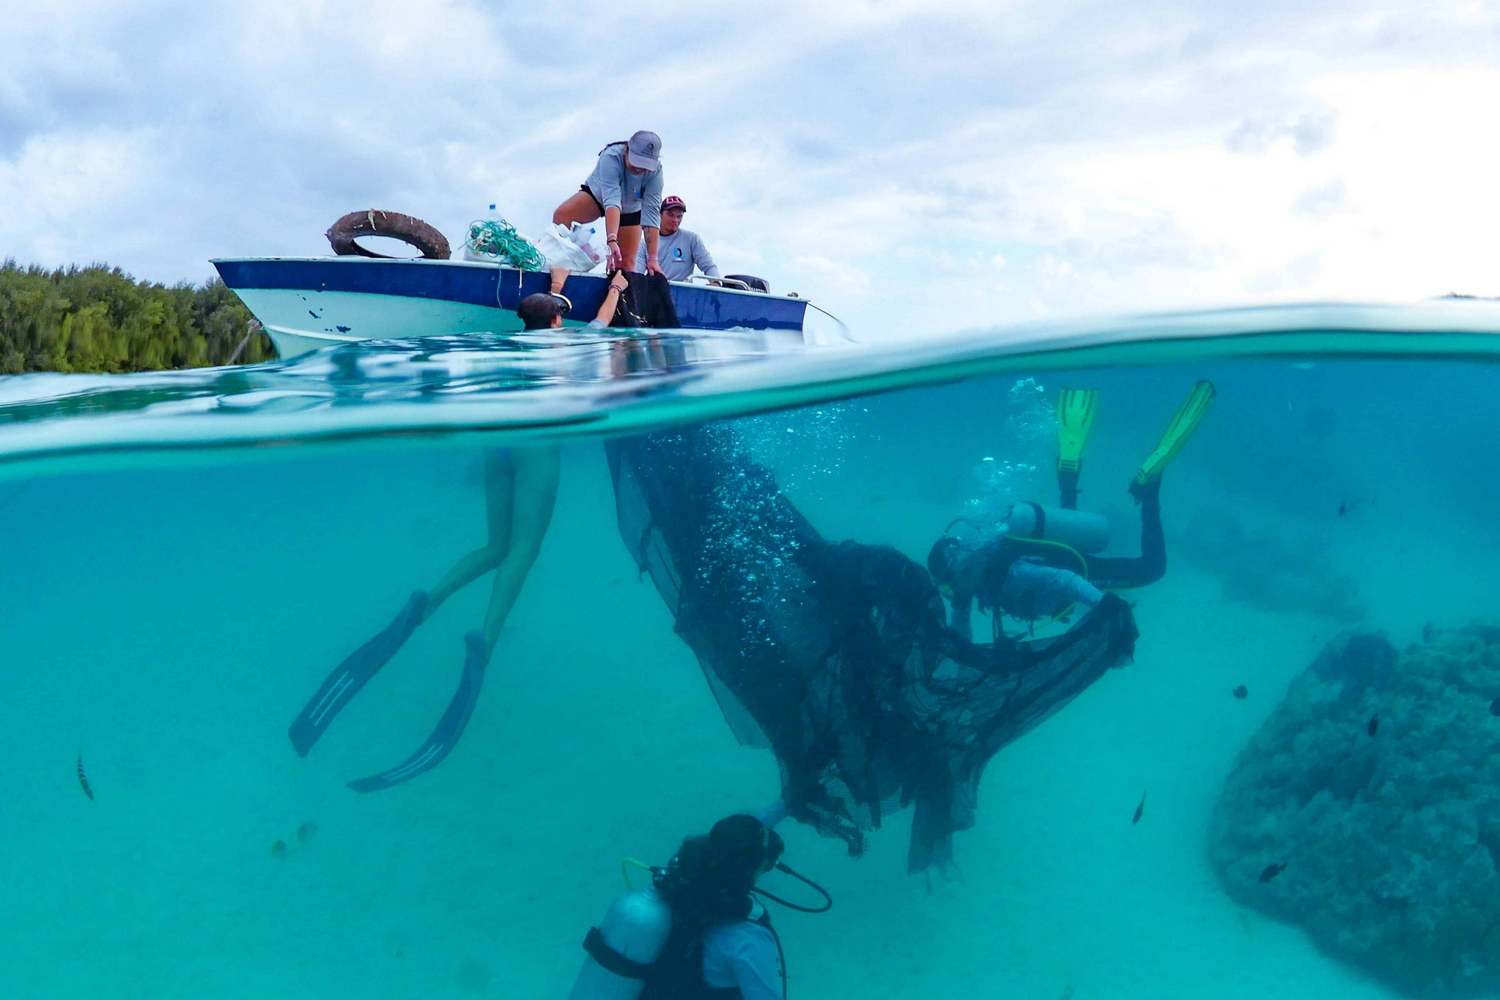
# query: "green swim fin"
{"type": "Point", "coordinates": [1075, 418]}
{"type": "Point", "coordinates": [1184, 422]}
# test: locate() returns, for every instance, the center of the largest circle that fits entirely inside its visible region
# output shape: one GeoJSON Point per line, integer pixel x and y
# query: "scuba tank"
{"type": "Point", "coordinates": [623, 947]}
{"type": "Point", "coordinates": [1076, 529]}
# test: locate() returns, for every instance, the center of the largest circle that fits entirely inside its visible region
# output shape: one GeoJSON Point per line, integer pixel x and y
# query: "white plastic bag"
{"type": "Point", "coordinates": [560, 250]}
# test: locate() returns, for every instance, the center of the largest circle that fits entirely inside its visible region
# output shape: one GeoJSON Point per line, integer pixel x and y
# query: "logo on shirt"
{"type": "Point", "coordinates": [677, 253]}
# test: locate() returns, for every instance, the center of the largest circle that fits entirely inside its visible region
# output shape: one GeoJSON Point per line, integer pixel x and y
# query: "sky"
{"type": "Point", "coordinates": [912, 167]}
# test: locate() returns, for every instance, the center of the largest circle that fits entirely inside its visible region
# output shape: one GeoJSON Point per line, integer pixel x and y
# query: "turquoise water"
{"type": "Point", "coordinates": [186, 556]}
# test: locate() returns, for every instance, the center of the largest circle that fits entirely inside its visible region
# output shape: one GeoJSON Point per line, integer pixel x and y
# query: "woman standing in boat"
{"type": "Point", "coordinates": [625, 188]}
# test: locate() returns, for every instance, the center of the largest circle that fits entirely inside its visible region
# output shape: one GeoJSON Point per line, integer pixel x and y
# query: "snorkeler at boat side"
{"type": "Point", "coordinates": [837, 655]}
{"type": "Point", "coordinates": [698, 930]}
{"type": "Point", "coordinates": [547, 310]}
{"type": "Point", "coordinates": [520, 491]}
{"type": "Point", "coordinates": [1044, 560]}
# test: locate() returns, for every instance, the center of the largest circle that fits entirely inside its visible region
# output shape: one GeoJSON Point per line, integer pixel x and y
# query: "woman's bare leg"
{"type": "Point", "coordinates": [533, 497]}
{"type": "Point", "coordinates": [499, 493]}
{"type": "Point", "coordinates": [630, 245]}
{"type": "Point", "coordinates": [579, 208]}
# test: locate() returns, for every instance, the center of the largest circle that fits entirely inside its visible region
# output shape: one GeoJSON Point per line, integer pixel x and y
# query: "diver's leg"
{"type": "Point", "coordinates": [521, 487]}
{"type": "Point", "coordinates": [534, 493]}
{"type": "Point", "coordinates": [499, 478]}
{"type": "Point", "coordinates": [1067, 488]}
{"type": "Point", "coordinates": [1076, 409]}
{"type": "Point", "coordinates": [1118, 573]}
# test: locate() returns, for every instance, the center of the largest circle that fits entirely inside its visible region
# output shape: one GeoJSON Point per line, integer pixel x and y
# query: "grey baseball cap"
{"type": "Point", "coordinates": [644, 149]}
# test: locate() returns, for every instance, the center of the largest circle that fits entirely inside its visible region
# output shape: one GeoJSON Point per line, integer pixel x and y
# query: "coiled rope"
{"type": "Point", "coordinates": [499, 239]}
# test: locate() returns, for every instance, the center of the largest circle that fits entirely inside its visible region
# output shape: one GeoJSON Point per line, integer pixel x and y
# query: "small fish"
{"type": "Point", "coordinates": [1242, 692]}
{"type": "Point", "coordinates": [1139, 810]}
{"type": "Point", "coordinates": [1271, 870]}
{"type": "Point", "coordinates": [83, 780]}
{"type": "Point", "coordinates": [1495, 707]}
{"type": "Point", "coordinates": [1373, 725]}
{"type": "Point", "coordinates": [278, 849]}
{"type": "Point", "coordinates": [306, 831]}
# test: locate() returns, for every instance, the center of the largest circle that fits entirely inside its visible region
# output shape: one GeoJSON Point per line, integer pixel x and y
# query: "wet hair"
{"type": "Point", "coordinates": [708, 881]}
{"type": "Point", "coordinates": [537, 311]}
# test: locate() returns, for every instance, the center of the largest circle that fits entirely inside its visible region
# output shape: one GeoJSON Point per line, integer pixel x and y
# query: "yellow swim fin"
{"type": "Point", "coordinates": [1075, 418]}
{"type": "Point", "coordinates": [1184, 422]}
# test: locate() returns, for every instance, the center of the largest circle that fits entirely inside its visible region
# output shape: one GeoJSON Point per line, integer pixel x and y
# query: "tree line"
{"type": "Point", "coordinates": [100, 319]}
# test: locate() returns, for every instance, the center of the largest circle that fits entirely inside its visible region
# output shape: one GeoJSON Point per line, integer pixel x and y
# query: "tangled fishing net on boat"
{"type": "Point", "coordinates": [497, 241]}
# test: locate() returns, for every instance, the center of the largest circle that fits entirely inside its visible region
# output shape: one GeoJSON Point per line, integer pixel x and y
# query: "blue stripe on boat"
{"type": "Point", "coordinates": [700, 308]}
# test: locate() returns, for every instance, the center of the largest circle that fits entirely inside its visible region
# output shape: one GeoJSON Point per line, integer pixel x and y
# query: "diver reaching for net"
{"type": "Point", "coordinates": [836, 655]}
{"type": "Point", "coordinates": [1042, 561]}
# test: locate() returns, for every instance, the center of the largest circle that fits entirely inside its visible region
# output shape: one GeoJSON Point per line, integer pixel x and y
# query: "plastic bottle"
{"type": "Point", "coordinates": [584, 240]}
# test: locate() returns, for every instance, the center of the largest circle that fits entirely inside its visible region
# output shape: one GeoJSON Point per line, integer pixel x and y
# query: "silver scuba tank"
{"type": "Point", "coordinates": [635, 927]}
{"type": "Point", "coordinates": [1075, 528]}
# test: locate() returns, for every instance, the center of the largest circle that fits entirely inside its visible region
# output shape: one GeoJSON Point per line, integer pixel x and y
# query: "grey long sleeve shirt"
{"type": "Point", "coordinates": [616, 187]}
{"type": "Point", "coordinates": [678, 254]}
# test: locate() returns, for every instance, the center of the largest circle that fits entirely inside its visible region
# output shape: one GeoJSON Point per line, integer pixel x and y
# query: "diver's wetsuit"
{"type": "Point", "coordinates": [836, 655]}
{"type": "Point", "coordinates": [1125, 572]}
{"type": "Point", "coordinates": [1005, 574]}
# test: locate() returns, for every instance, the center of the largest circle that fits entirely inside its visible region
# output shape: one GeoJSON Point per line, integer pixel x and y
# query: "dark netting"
{"type": "Point", "coordinates": [836, 654]}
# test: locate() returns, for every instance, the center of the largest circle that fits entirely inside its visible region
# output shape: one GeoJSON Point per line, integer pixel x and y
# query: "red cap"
{"type": "Point", "coordinates": [672, 201]}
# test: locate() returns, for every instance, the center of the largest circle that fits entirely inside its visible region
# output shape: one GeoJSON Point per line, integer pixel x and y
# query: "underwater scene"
{"type": "Point", "coordinates": [1158, 672]}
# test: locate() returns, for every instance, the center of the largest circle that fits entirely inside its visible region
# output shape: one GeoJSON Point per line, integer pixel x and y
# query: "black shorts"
{"type": "Point", "coordinates": [626, 218]}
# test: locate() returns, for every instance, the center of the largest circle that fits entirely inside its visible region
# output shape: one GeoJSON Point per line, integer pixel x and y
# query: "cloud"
{"type": "Point", "coordinates": [1159, 155]}
{"type": "Point", "coordinates": [1321, 200]}
{"type": "Point", "coordinates": [1309, 132]}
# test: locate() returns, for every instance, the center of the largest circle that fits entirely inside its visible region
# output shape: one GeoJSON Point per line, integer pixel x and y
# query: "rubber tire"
{"type": "Point", "coordinates": [373, 222]}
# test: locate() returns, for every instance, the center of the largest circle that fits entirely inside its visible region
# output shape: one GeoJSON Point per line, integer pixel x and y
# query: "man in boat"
{"type": "Point", "coordinates": [520, 490]}
{"type": "Point", "coordinates": [1038, 563]}
{"type": "Point", "coordinates": [681, 250]}
{"type": "Point", "coordinates": [625, 188]}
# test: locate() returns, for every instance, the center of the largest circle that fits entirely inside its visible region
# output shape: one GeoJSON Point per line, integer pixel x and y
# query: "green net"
{"type": "Point", "coordinates": [499, 239]}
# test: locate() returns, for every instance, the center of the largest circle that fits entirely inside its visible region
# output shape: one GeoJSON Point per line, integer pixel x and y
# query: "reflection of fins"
{"type": "Point", "coordinates": [351, 675]}
{"type": "Point", "coordinates": [449, 727]}
{"type": "Point", "coordinates": [1184, 422]}
{"type": "Point", "coordinates": [1075, 418]}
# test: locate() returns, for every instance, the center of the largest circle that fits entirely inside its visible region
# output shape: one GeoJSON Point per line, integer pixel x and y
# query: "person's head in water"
{"type": "Point", "coordinates": [711, 877]}
{"type": "Point", "coordinates": [543, 311]}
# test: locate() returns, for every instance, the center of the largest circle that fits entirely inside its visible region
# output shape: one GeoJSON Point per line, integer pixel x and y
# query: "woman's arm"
{"type": "Point", "coordinates": [612, 235]}
{"type": "Point", "coordinates": [651, 219]}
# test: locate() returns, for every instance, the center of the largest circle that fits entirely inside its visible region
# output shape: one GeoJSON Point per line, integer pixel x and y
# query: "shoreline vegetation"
{"type": "Point", "coordinates": [99, 319]}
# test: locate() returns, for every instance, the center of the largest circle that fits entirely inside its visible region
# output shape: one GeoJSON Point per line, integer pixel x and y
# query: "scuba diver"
{"type": "Point", "coordinates": [1042, 560]}
{"type": "Point", "coordinates": [697, 932]}
{"type": "Point", "coordinates": [837, 655]}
